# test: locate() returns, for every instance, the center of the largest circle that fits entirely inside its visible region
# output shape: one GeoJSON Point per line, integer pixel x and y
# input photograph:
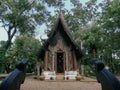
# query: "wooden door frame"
{"type": "Point", "coordinates": [63, 60]}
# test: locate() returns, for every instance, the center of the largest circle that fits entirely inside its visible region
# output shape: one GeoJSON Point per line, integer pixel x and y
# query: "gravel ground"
{"type": "Point", "coordinates": [86, 84]}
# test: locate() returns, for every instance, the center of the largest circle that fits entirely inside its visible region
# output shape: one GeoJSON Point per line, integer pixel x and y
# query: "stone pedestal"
{"type": "Point", "coordinates": [42, 78]}
{"type": "Point", "coordinates": [79, 77]}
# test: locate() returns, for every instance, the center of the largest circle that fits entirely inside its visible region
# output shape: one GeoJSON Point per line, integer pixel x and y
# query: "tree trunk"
{"type": "Point", "coordinates": [10, 36]}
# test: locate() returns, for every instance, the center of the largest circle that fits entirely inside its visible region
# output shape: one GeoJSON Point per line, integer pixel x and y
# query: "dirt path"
{"type": "Point", "coordinates": [32, 84]}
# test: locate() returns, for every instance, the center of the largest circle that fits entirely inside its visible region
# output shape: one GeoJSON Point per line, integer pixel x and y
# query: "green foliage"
{"type": "Point", "coordinates": [2, 57]}
{"type": "Point", "coordinates": [110, 15]}
{"type": "Point", "coordinates": [24, 46]}
{"type": "Point", "coordinates": [111, 24]}
{"type": "Point", "coordinates": [22, 16]}
{"type": "Point", "coordinates": [95, 27]}
{"type": "Point", "coordinates": [99, 33]}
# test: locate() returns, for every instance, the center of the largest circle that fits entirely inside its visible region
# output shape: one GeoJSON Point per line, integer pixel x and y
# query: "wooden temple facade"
{"type": "Point", "coordinates": [60, 52]}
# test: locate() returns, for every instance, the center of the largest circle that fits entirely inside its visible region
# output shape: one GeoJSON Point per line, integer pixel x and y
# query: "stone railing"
{"type": "Point", "coordinates": [49, 75]}
{"type": "Point", "coordinates": [70, 75]}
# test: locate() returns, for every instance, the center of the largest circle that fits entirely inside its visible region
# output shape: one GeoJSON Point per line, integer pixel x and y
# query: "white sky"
{"type": "Point", "coordinates": [40, 30]}
{"type": "Point", "coordinates": [3, 34]}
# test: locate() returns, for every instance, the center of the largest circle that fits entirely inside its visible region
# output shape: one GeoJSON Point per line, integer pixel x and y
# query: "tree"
{"type": "Point", "coordinates": [24, 46]}
{"type": "Point", "coordinates": [91, 40]}
{"type": "Point", "coordinates": [96, 27]}
{"type": "Point", "coordinates": [111, 24]}
{"type": "Point", "coordinates": [22, 16]}
{"type": "Point", "coordinates": [84, 14]}
{"type": "Point", "coordinates": [2, 56]}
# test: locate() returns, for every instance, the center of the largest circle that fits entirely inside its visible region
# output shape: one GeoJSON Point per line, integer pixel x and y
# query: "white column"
{"type": "Point", "coordinates": [38, 68]}
{"type": "Point", "coordinates": [82, 70]}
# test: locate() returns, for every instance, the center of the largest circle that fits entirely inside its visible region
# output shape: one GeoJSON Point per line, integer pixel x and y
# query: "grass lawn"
{"type": "Point", "coordinates": [93, 77]}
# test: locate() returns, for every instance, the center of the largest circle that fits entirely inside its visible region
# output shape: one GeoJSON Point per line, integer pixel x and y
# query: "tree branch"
{"type": "Point", "coordinates": [4, 25]}
{"type": "Point", "coordinates": [14, 32]}
{"type": "Point", "coordinates": [25, 8]}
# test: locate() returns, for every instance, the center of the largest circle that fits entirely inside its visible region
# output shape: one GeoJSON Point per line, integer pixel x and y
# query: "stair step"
{"type": "Point", "coordinates": [60, 77]}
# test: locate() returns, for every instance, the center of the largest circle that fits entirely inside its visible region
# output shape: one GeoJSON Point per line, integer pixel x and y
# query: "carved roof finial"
{"type": "Point", "coordinates": [60, 5]}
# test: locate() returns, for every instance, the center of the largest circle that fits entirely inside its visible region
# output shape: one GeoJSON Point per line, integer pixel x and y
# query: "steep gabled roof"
{"type": "Point", "coordinates": [61, 22]}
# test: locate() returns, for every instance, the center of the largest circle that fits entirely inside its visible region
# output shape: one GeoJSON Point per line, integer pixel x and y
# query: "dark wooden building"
{"type": "Point", "coordinates": [60, 52]}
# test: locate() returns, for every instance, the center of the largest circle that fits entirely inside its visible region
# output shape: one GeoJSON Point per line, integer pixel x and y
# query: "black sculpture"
{"type": "Point", "coordinates": [106, 78]}
{"type": "Point", "coordinates": [15, 78]}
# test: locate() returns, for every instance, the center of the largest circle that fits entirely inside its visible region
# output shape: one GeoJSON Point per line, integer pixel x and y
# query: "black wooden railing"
{"type": "Point", "coordinates": [15, 78]}
{"type": "Point", "coordinates": [106, 78]}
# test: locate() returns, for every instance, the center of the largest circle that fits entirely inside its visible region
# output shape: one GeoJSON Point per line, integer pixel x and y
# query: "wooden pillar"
{"type": "Point", "coordinates": [45, 60]}
{"type": "Point", "coordinates": [53, 60]}
{"type": "Point", "coordinates": [66, 61]}
{"type": "Point", "coordinates": [74, 61]}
